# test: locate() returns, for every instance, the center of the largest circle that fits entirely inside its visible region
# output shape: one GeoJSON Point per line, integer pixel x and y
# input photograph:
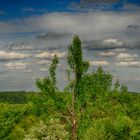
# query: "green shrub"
{"type": "Point", "coordinates": [51, 130]}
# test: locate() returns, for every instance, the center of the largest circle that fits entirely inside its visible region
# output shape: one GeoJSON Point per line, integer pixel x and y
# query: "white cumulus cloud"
{"type": "Point", "coordinates": [12, 55]}
{"type": "Point", "coordinates": [44, 62]}
{"type": "Point", "coordinates": [50, 55]}
{"type": "Point", "coordinates": [16, 65]}
{"type": "Point", "coordinates": [99, 63]}
{"type": "Point", "coordinates": [114, 42]}
{"type": "Point", "coordinates": [107, 54]}
{"type": "Point", "coordinates": [132, 63]}
{"type": "Point", "coordinates": [120, 50]}
{"type": "Point", "coordinates": [126, 57]}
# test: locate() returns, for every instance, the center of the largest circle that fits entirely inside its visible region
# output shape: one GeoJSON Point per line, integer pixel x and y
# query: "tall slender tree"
{"type": "Point", "coordinates": [79, 67]}
{"type": "Point", "coordinates": [52, 70]}
{"type": "Point", "coordinates": [47, 85]}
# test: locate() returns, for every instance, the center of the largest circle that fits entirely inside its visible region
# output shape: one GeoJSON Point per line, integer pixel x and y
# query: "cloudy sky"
{"type": "Point", "coordinates": [32, 31]}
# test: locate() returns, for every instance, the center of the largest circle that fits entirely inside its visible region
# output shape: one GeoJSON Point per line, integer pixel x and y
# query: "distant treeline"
{"type": "Point", "coordinates": [19, 97]}
{"type": "Point", "coordinates": [13, 97]}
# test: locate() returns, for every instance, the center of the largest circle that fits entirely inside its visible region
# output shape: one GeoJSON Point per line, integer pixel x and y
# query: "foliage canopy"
{"type": "Point", "coordinates": [91, 107]}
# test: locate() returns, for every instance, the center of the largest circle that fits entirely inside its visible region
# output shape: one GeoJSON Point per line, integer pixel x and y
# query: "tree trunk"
{"type": "Point", "coordinates": [74, 120]}
{"type": "Point", "coordinates": [74, 129]}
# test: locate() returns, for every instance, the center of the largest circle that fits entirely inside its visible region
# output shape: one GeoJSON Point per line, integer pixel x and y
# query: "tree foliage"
{"type": "Point", "coordinates": [92, 107]}
{"type": "Point", "coordinates": [52, 69]}
{"type": "Point", "coordinates": [75, 60]}
{"type": "Point", "coordinates": [51, 130]}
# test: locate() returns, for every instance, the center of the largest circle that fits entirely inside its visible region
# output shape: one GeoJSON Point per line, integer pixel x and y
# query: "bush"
{"type": "Point", "coordinates": [51, 130]}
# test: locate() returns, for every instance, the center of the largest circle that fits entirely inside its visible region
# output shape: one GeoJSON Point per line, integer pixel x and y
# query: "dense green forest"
{"type": "Point", "coordinates": [13, 97]}
{"type": "Point", "coordinates": [91, 107]}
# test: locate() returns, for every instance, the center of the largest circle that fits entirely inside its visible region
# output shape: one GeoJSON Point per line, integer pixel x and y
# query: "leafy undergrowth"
{"type": "Point", "coordinates": [109, 115]}
{"type": "Point", "coordinates": [17, 97]}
